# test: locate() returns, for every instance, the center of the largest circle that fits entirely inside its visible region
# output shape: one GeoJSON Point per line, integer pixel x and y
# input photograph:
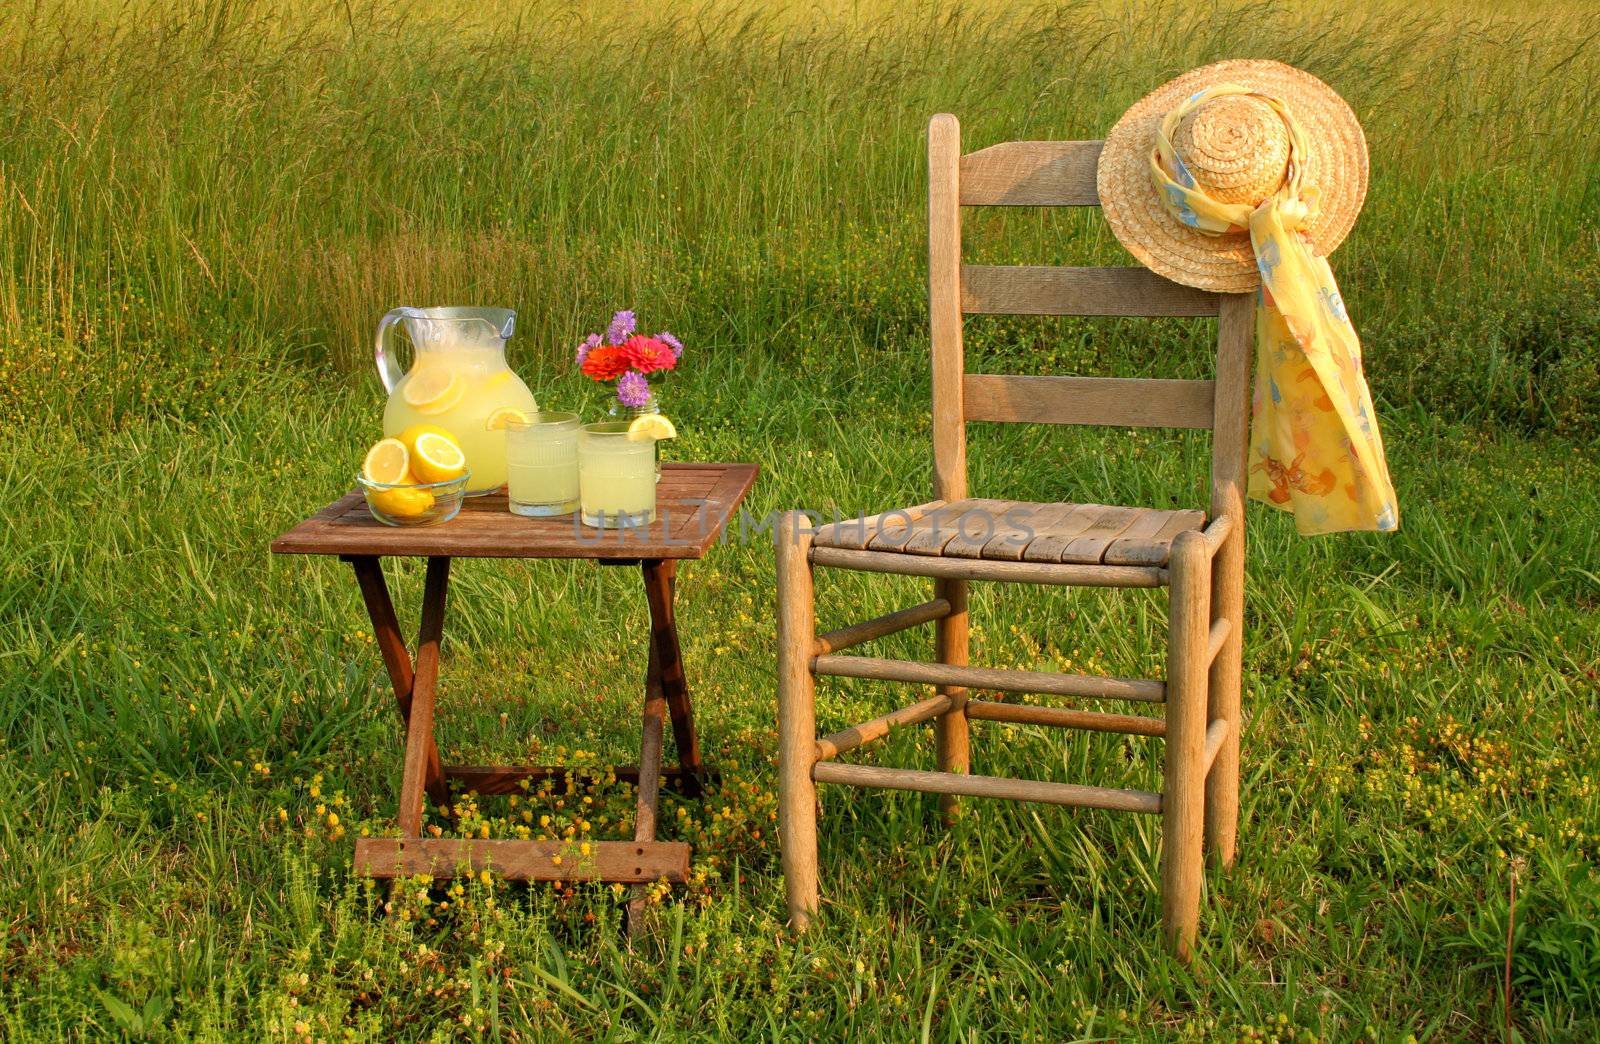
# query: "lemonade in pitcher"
{"type": "Point", "coordinates": [458, 381]}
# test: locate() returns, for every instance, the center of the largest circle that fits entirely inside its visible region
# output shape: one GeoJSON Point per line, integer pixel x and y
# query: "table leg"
{"type": "Point", "coordinates": [392, 645]}
{"type": "Point", "coordinates": [421, 752]}
{"type": "Point", "coordinates": [660, 586]}
{"type": "Point", "coordinates": [649, 796]}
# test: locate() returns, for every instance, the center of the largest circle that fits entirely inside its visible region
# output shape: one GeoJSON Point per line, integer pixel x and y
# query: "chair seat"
{"type": "Point", "coordinates": [1018, 531]}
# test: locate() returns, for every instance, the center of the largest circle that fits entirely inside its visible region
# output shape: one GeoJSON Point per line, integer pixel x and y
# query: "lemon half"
{"type": "Point", "coordinates": [416, 431]}
{"type": "Point", "coordinates": [388, 462]}
{"type": "Point", "coordinates": [437, 458]}
{"type": "Point", "coordinates": [651, 426]}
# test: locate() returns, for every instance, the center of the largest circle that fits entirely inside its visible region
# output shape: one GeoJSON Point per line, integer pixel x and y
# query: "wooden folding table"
{"type": "Point", "coordinates": [694, 504]}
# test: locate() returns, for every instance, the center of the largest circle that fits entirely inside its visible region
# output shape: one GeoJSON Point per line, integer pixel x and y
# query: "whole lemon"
{"type": "Point", "coordinates": [402, 502]}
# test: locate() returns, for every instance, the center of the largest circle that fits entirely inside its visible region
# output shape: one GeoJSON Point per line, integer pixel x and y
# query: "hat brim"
{"type": "Point", "coordinates": [1336, 169]}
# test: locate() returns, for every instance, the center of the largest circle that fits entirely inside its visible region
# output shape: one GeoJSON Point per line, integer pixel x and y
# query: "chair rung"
{"type": "Point", "coordinates": [1217, 638]}
{"type": "Point", "coordinates": [851, 738]}
{"type": "Point", "coordinates": [1059, 574]}
{"type": "Point", "coordinates": [991, 678]}
{"type": "Point", "coordinates": [881, 626]}
{"type": "Point", "coordinates": [987, 786]}
{"type": "Point", "coordinates": [1217, 532]}
{"type": "Point", "coordinates": [1062, 718]}
{"type": "Point", "coordinates": [1216, 736]}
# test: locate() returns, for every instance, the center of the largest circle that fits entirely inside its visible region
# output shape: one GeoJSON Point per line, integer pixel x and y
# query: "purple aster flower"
{"type": "Point", "coordinates": [621, 328]}
{"type": "Point", "coordinates": [671, 342]}
{"type": "Point", "coordinates": [633, 391]}
{"type": "Point", "coordinates": [589, 344]}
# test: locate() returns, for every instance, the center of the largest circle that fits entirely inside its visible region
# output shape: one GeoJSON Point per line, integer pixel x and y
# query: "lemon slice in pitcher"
{"type": "Point", "coordinates": [433, 390]}
{"type": "Point", "coordinates": [437, 458]}
{"type": "Point", "coordinates": [387, 463]}
{"type": "Point", "coordinates": [651, 426]}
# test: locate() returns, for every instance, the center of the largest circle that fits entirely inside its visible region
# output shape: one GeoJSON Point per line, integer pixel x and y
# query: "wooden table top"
{"type": "Point", "coordinates": [693, 505]}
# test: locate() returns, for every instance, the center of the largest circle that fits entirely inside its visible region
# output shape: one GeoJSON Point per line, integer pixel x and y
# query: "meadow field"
{"type": "Point", "coordinates": [205, 206]}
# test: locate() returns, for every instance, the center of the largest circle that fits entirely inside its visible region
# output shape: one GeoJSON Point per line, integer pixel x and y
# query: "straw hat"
{"type": "Point", "coordinates": [1237, 149]}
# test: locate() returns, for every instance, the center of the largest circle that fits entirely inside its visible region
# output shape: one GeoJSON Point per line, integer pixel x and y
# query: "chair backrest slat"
{"type": "Point", "coordinates": [1048, 290]}
{"type": "Point", "coordinates": [1108, 401]}
{"type": "Point", "coordinates": [1062, 173]}
{"type": "Point", "coordinates": [1031, 174]}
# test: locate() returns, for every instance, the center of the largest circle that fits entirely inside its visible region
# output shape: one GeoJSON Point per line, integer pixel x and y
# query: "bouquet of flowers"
{"type": "Point", "coordinates": [629, 358]}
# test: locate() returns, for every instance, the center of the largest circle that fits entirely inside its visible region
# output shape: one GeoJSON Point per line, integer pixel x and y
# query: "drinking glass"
{"type": "Point", "coordinates": [616, 476]}
{"type": "Point", "coordinates": [542, 464]}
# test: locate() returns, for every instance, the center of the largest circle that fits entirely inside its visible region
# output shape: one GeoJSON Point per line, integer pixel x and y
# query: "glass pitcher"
{"type": "Point", "coordinates": [458, 381]}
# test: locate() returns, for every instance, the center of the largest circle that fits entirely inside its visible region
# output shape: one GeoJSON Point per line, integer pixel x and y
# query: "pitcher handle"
{"type": "Point", "coordinates": [389, 371]}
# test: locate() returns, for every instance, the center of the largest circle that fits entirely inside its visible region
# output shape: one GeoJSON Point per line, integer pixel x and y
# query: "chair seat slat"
{"type": "Point", "coordinates": [978, 531]}
{"type": "Point", "coordinates": [1011, 541]}
{"type": "Point", "coordinates": [1048, 544]}
{"type": "Point", "coordinates": [857, 532]}
{"type": "Point", "coordinates": [938, 528]}
{"type": "Point", "coordinates": [1088, 547]}
{"type": "Point", "coordinates": [1152, 548]}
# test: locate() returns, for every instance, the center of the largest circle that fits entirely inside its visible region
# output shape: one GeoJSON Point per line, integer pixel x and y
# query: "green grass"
{"type": "Point", "coordinates": [203, 210]}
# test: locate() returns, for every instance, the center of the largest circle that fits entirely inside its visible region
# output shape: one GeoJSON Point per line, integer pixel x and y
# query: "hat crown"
{"type": "Point", "coordinates": [1236, 147]}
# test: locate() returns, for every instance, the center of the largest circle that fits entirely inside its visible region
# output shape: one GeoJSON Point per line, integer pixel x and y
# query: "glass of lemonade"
{"type": "Point", "coordinates": [616, 476]}
{"type": "Point", "coordinates": [542, 464]}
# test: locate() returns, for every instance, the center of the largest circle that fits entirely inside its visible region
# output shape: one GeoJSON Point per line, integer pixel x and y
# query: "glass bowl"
{"type": "Point", "coordinates": [415, 504]}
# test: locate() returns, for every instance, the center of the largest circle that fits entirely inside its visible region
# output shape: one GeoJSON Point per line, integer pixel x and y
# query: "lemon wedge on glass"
{"type": "Point", "coordinates": [505, 415]}
{"type": "Point", "coordinates": [651, 426]}
{"type": "Point", "coordinates": [388, 463]}
{"type": "Point", "coordinates": [433, 390]}
{"type": "Point", "coordinates": [437, 458]}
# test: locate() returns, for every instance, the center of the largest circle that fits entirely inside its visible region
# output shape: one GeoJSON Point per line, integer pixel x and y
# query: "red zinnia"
{"type": "Point", "coordinates": [647, 355]}
{"type": "Point", "coordinates": [606, 362]}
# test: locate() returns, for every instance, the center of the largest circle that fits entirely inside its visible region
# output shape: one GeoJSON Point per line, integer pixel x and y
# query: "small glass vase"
{"type": "Point", "coordinates": [618, 411]}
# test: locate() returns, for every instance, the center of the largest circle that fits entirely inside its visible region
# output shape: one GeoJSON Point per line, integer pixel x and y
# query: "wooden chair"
{"type": "Point", "coordinates": [1200, 562]}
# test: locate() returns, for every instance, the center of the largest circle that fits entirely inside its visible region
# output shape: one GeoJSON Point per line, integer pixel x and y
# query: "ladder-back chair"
{"type": "Point", "coordinates": [1198, 556]}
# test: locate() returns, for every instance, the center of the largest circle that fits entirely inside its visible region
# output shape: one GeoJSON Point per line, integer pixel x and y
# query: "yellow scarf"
{"type": "Point", "coordinates": [1315, 449]}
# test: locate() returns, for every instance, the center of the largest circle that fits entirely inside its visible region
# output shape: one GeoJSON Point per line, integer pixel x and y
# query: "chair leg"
{"type": "Point", "coordinates": [1183, 796]}
{"type": "Point", "coordinates": [951, 733]}
{"type": "Point", "coordinates": [797, 728]}
{"type": "Point", "coordinates": [1222, 783]}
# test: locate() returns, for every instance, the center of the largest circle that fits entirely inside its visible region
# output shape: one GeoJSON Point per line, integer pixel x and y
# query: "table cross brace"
{"type": "Point", "coordinates": [415, 684]}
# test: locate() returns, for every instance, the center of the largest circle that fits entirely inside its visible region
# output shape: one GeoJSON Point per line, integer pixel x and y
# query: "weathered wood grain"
{"type": "Point", "coordinates": [1031, 174]}
{"type": "Point", "coordinates": [1104, 401]}
{"type": "Point", "coordinates": [694, 504]}
{"type": "Point", "coordinates": [628, 862]}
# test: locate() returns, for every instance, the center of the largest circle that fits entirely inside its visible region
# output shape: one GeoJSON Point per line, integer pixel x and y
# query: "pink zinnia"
{"type": "Point", "coordinates": [648, 355]}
